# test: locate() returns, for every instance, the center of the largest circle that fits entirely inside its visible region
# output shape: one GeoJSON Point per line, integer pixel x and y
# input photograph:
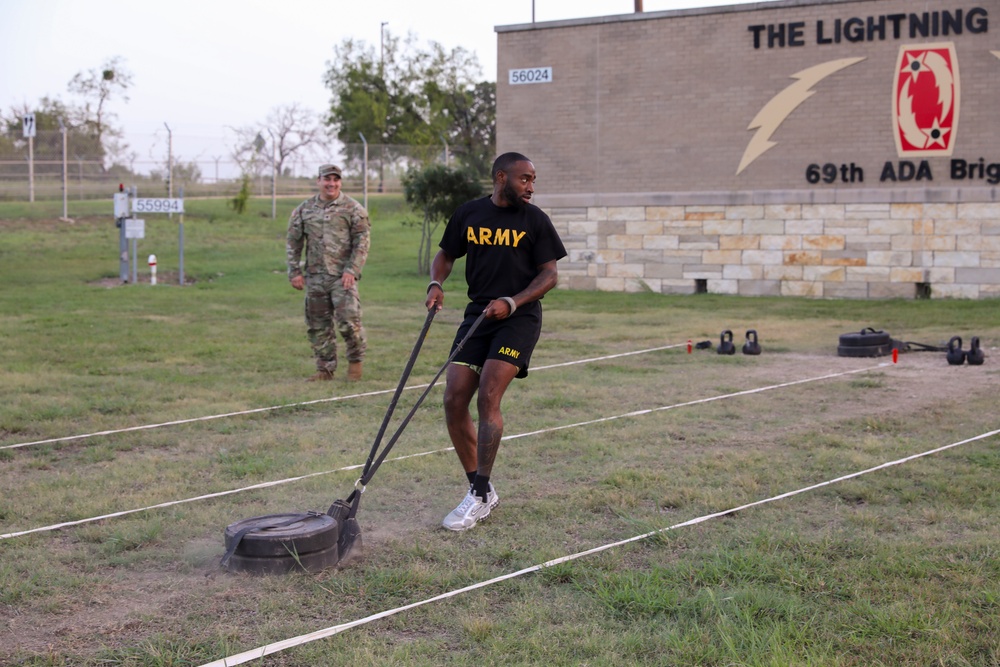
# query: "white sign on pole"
{"type": "Point", "coordinates": [135, 228]}
{"type": "Point", "coordinates": [29, 125]}
{"type": "Point", "coordinates": [158, 205]}
{"type": "Point", "coordinates": [121, 204]}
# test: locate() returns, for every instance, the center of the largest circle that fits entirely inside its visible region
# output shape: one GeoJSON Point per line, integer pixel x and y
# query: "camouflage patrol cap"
{"type": "Point", "coordinates": [327, 169]}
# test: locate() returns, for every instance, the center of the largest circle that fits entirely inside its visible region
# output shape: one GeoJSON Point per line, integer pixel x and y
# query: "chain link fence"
{"type": "Point", "coordinates": [58, 165]}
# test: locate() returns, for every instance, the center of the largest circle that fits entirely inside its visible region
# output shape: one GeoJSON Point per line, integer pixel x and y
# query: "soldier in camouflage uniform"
{"type": "Point", "coordinates": [334, 231]}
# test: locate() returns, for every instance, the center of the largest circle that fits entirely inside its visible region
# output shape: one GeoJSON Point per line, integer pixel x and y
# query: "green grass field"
{"type": "Point", "coordinates": [894, 567]}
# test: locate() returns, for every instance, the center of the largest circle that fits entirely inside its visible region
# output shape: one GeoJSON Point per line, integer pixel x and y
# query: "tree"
{"type": "Point", "coordinates": [406, 96]}
{"type": "Point", "coordinates": [182, 172]}
{"type": "Point", "coordinates": [90, 134]}
{"type": "Point", "coordinates": [239, 202]}
{"type": "Point", "coordinates": [437, 190]}
{"type": "Point", "coordinates": [473, 130]}
{"type": "Point", "coordinates": [249, 152]}
{"type": "Point", "coordinates": [296, 132]}
{"type": "Point", "coordinates": [462, 110]}
{"type": "Point", "coordinates": [98, 87]}
{"type": "Point", "coordinates": [81, 143]}
{"type": "Point", "coordinates": [374, 98]}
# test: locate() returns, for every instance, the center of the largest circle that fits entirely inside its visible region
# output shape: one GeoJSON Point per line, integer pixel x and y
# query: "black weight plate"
{"type": "Point", "coordinates": [314, 532]}
{"type": "Point", "coordinates": [312, 562]}
{"type": "Point", "coordinates": [865, 350]}
{"type": "Point", "coordinates": [864, 339]}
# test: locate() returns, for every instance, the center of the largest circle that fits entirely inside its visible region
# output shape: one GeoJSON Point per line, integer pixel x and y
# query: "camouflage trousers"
{"type": "Point", "coordinates": [331, 309]}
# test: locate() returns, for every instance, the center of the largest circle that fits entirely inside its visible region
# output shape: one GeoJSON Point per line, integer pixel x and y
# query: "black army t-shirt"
{"type": "Point", "coordinates": [505, 246]}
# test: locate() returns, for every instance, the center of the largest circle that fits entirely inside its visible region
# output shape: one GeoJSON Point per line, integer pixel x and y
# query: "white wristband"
{"type": "Point", "coordinates": [432, 284]}
{"type": "Point", "coordinates": [510, 302]}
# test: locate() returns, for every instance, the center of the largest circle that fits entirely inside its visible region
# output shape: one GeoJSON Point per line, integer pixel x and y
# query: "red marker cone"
{"type": "Point", "coordinates": [689, 347]}
{"type": "Point", "coordinates": [895, 355]}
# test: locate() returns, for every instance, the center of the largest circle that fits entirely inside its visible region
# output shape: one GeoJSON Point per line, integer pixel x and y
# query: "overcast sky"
{"type": "Point", "coordinates": [203, 66]}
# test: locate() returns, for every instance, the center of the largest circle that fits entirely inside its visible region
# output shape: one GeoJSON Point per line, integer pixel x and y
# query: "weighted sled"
{"type": "Point", "coordinates": [867, 337]}
{"type": "Point", "coordinates": [278, 535]}
{"type": "Point", "coordinates": [311, 562]}
{"type": "Point", "coordinates": [866, 351]}
{"type": "Point", "coordinates": [865, 343]}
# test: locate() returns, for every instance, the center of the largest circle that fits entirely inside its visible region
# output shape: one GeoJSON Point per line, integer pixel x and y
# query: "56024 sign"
{"type": "Point", "coordinates": [530, 75]}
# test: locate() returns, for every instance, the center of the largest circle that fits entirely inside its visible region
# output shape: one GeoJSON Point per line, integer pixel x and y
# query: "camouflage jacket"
{"type": "Point", "coordinates": [335, 236]}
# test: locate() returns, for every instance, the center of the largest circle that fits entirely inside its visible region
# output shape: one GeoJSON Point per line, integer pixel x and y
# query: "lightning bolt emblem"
{"type": "Point", "coordinates": [774, 113]}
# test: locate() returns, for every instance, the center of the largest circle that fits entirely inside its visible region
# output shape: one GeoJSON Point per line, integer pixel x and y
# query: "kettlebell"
{"type": "Point", "coordinates": [956, 355]}
{"type": "Point", "coordinates": [975, 355]}
{"type": "Point", "coordinates": [726, 343]}
{"type": "Point", "coordinates": [751, 346]}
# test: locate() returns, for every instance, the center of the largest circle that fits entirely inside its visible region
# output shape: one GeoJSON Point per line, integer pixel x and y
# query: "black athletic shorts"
{"type": "Point", "coordinates": [511, 340]}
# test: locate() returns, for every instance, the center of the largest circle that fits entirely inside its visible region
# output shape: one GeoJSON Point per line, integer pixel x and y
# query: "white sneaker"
{"type": "Point", "coordinates": [471, 510]}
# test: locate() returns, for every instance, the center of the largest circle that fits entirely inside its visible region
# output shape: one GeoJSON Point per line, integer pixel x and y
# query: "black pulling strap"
{"type": "Point", "coordinates": [910, 346]}
{"type": "Point", "coordinates": [355, 498]}
{"type": "Point", "coordinates": [399, 389]}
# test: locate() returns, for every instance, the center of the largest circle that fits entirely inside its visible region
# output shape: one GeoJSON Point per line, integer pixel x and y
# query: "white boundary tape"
{"type": "Point", "coordinates": [178, 422]}
{"type": "Point", "coordinates": [263, 485]}
{"type": "Point", "coordinates": [170, 503]}
{"type": "Point", "coordinates": [699, 401]}
{"type": "Point", "coordinates": [268, 649]}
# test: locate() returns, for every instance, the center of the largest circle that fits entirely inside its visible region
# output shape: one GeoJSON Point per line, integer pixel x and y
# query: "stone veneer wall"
{"type": "Point", "coordinates": [833, 249]}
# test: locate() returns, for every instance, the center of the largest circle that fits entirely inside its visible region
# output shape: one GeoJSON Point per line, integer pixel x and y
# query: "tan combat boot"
{"type": "Point", "coordinates": [354, 371]}
{"type": "Point", "coordinates": [320, 376]}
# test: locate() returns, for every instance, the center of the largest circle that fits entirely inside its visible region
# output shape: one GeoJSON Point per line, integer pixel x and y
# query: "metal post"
{"type": "Point", "coordinates": [365, 142]}
{"type": "Point", "coordinates": [127, 209]}
{"type": "Point", "coordinates": [122, 252]}
{"type": "Point", "coordinates": [170, 165]}
{"type": "Point", "coordinates": [135, 262]}
{"type": "Point", "coordinates": [381, 168]}
{"type": "Point", "coordinates": [65, 183]}
{"type": "Point", "coordinates": [274, 176]}
{"type": "Point", "coordinates": [259, 144]}
{"type": "Point", "coordinates": [381, 41]}
{"type": "Point", "coordinates": [31, 169]}
{"type": "Point", "coordinates": [447, 159]}
{"type": "Point", "coordinates": [180, 243]}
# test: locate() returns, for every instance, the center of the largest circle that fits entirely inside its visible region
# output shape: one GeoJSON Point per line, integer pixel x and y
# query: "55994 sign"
{"type": "Point", "coordinates": [158, 205]}
{"type": "Point", "coordinates": [530, 75]}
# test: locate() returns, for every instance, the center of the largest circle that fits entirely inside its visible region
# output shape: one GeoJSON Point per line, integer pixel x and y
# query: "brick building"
{"type": "Point", "coordinates": [835, 148]}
